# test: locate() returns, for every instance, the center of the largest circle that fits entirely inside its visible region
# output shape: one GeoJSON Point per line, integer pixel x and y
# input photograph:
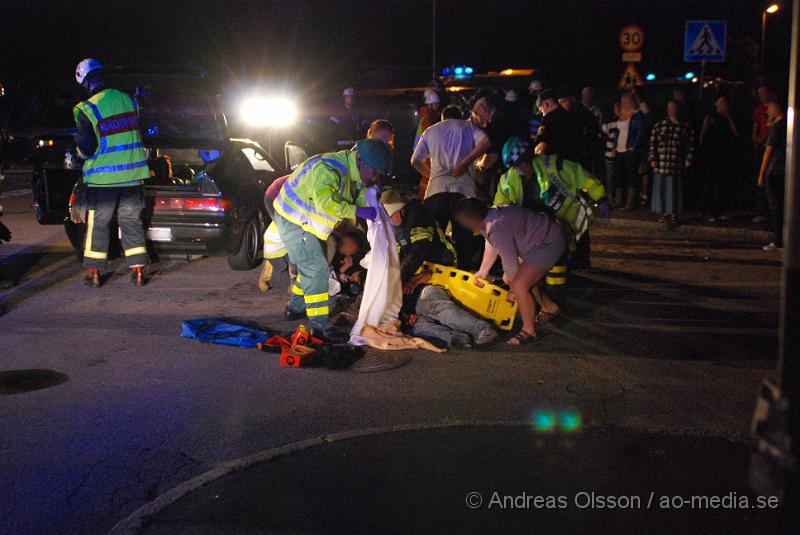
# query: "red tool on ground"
{"type": "Point", "coordinates": [299, 352]}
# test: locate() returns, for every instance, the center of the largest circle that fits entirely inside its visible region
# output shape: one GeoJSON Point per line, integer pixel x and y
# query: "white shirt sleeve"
{"type": "Point", "coordinates": [421, 151]}
{"type": "Point", "coordinates": [478, 135]}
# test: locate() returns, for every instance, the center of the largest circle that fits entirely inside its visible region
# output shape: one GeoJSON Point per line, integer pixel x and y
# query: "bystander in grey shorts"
{"type": "Point", "coordinates": [547, 254]}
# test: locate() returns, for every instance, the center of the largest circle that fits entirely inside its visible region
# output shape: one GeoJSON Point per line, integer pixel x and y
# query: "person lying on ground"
{"type": "Point", "coordinates": [515, 233]}
{"type": "Point", "coordinates": [428, 310]}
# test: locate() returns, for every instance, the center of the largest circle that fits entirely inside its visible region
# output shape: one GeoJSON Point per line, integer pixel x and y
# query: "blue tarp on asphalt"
{"type": "Point", "coordinates": [224, 331]}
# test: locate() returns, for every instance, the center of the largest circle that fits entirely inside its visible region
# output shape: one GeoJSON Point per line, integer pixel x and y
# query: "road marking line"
{"type": "Point", "coordinates": [16, 193]}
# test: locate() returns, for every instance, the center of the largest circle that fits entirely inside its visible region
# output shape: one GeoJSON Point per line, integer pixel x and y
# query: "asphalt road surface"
{"type": "Point", "coordinates": [663, 338]}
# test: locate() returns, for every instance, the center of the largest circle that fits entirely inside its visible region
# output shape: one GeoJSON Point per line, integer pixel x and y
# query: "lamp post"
{"type": "Point", "coordinates": [769, 10]}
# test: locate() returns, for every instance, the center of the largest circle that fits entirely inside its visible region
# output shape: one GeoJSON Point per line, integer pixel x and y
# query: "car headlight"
{"type": "Point", "coordinates": [274, 112]}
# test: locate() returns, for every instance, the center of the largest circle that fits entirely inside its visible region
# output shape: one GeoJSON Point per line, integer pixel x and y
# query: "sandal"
{"type": "Point", "coordinates": [546, 317]}
{"type": "Point", "coordinates": [522, 338]}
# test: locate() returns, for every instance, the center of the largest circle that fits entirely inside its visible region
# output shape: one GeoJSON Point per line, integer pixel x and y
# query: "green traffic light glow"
{"type": "Point", "coordinates": [544, 421]}
{"type": "Point", "coordinates": [548, 421]}
{"type": "Point", "coordinates": [570, 421]}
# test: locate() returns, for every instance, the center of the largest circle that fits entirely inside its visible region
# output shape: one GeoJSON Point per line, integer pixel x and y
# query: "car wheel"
{"type": "Point", "coordinates": [248, 255]}
{"type": "Point", "coordinates": [76, 232]}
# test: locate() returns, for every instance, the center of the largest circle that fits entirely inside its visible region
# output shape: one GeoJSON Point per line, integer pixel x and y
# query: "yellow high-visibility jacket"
{"type": "Point", "coordinates": [322, 191]}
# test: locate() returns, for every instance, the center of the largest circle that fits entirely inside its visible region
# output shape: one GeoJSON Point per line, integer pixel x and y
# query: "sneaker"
{"type": "Point", "coordinates": [771, 247]}
{"type": "Point", "coordinates": [137, 276]}
{"type": "Point", "coordinates": [92, 278]}
{"type": "Point", "coordinates": [487, 336]}
{"type": "Point", "coordinates": [460, 341]}
{"type": "Point", "coordinates": [663, 218]}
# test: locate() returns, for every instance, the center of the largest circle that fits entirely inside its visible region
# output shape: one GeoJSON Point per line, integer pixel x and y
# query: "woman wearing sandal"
{"type": "Point", "coordinates": [528, 243]}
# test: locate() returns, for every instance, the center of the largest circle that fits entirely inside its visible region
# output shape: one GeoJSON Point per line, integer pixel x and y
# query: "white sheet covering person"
{"type": "Point", "coordinates": [383, 296]}
{"type": "Point", "coordinates": [378, 324]}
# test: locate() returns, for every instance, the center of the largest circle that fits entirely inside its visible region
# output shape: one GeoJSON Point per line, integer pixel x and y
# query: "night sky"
{"type": "Point", "coordinates": [330, 44]}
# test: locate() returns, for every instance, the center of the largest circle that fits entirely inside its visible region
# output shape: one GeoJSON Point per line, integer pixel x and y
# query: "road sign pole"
{"type": "Point", "coordinates": [776, 420]}
{"type": "Point", "coordinates": [789, 335]}
{"type": "Point", "coordinates": [702, 80]}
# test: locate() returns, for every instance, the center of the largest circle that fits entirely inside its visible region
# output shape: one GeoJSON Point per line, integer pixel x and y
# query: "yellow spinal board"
{"type": "Point", "coordinates": [489, 302]}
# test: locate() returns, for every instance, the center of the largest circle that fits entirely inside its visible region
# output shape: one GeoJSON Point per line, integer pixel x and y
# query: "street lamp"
{"type": "Point", "coordinates": [770, 9]}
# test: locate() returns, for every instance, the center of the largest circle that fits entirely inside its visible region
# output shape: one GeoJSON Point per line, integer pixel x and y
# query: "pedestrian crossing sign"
{"type": "Point", "coordinates": [705, 40]}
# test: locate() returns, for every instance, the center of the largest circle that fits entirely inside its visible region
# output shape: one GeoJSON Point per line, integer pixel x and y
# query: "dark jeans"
{"type": "Point", "coordinates": [775, 193]}
{"type": "Point", "coordinates": [441, 207]}
{"type": "Point", "coordinates": [127, 202]}
{"type": "Point", "coordinates": [610, 176]}
{"type": "Point", "coordinates": [761, 196]}
{"type": "Point", "coordinates": [628, 168]}
{"type": "Point", "coordinates": [718, 173]}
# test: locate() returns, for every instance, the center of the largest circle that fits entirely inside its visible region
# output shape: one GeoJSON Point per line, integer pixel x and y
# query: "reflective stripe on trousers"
{"type": "Point", "coordinates": [311, 292]}
{"type": "Point", "coordinates": [127, 202]}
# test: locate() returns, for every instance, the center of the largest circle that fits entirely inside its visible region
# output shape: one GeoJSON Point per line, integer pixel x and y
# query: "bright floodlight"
{"type": "Point", "coordinates": [274, 112]}
{"type": "Point", "coordinates": [773, 8]}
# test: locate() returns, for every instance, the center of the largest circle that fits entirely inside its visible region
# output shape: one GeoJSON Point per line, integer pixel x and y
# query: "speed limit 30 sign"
{"type": "Point", "coordinates": [631, 38]}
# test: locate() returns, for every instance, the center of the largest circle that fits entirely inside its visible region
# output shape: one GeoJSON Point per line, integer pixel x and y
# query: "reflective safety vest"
{"type": "Point", "coordinates": [322, 191]}
{"type": "Point", "coordinates": [120, 157]}
{"type": "Point", "coordinates": [509, 189]}
{"type": "Point", "coordinates": [561, 191]}
{"type": "Point", "coordinates": [273, 245]}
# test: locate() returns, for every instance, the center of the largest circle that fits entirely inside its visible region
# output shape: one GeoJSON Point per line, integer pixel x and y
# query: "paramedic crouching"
{"type": "Point", "coordinates": [321, 192]}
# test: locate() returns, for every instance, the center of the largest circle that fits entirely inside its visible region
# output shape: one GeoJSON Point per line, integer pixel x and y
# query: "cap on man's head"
{"type": "Point", "coordinates": [547, 94]}
{"type": "Point", "coordinates": [375, 154]}
{"type": "Point", "coordinates": [348, 92]}
{"type": "Point", "coordinates": [393, 201]}
{"type": "Point", "coordinates": [431, 97]}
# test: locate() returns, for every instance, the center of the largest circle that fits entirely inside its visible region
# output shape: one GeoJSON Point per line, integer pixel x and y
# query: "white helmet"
{"type": "Point", "coordinates": [431, 96]}
{"type": "Point", "coordinates": [85, 67]}
{"type": "Point", "coordinates": [348, 92]}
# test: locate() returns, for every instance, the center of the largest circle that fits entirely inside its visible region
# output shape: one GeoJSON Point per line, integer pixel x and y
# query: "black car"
{"type": "Point", "coordinates": [212, 201]}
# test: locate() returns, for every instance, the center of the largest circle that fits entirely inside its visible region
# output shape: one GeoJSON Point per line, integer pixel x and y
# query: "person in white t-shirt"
{"type": "Point", "coordinates": [450, 144]}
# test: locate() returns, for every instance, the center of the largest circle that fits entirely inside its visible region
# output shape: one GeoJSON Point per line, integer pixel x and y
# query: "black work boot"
{"type": "Point", "coordinates": [330, 336]}
{"type": "Point", "coordinates": [92, 278]}
{"type": "Point", "coordinates": [290, 315]}
{"type": "Point", "coordinates": [137, 276]}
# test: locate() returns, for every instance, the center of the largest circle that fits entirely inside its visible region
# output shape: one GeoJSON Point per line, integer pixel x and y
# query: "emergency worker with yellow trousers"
{"type": "Point", "coordinates": [322, 191]}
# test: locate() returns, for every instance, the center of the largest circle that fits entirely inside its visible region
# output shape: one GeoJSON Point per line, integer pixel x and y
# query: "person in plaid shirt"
{"type": "Point", "coordinates": [671, 152]}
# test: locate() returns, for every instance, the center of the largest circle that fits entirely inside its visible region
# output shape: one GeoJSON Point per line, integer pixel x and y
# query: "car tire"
{"type": "Point", "coordinates": [248, 255]}
{"type": "Point", "coordinates": [76, 232]}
